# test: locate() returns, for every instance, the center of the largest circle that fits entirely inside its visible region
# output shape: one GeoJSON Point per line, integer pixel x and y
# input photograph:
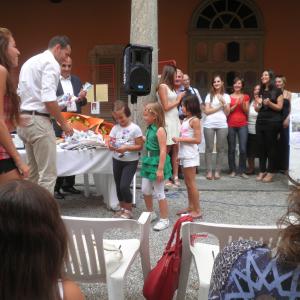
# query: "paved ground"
{"type": "Point", "coordinates": [229, 200]}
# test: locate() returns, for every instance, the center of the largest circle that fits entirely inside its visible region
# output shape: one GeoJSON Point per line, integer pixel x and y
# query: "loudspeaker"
{"type": "Point", "coordinates": [137, 69]}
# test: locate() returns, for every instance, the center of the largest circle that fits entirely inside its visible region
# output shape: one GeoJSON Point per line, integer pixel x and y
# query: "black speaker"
{"type": "Point", "coordinates": [137, 69]}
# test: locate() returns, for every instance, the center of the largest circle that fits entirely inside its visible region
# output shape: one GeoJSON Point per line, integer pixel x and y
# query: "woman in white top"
{"type": "Point", "coordinates": [169, 100]}
{"type": "Point", "coordinates": [252, 145]}
{"type": "Point", "coordinates": [217, 107]}
{"type": "Point", "coordinates": [33, 245]}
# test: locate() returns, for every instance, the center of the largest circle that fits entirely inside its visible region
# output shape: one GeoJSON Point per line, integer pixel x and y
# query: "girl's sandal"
{"type": "Point", "coordinates": [118, 213]}
{"type": "Point", "coordinates": [127, 214]}
{"type": "Point", "coordinates": [183, 211]}
{"type": "Point", "coordinates": [176, 181]}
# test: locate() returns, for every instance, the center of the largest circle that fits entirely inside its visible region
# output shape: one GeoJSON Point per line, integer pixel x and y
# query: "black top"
{"type": "Point", "coordinates": [285, 108]}
{"type": "Point", "coordinates": [266, 113]}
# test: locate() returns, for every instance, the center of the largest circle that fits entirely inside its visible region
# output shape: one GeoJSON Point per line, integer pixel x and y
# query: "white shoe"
{"type": "Point", "coordinates": [161, 225]}
{"type": "Point", "coordinates": [153, 216]}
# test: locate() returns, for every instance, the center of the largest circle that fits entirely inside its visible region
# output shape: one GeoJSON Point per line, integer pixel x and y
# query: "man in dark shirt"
{"type": "Point", "coordinates": [72, 86]}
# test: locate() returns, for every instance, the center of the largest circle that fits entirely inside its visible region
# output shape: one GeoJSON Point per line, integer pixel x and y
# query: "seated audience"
{"type": "Point", "coordinates": [250, 270]}
{"type": "Point", "coordinates": [33, 245]}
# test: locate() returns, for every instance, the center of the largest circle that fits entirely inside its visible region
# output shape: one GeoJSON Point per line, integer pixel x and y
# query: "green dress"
{"type": "Point", "coordinates": [151, 160]}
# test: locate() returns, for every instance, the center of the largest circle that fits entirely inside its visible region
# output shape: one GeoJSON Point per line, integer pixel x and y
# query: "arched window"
{"type": "Point", "coordinates": [225, 37]}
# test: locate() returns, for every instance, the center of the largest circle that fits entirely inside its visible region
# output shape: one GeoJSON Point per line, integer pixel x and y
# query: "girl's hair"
{"type": "Point", "coordinates": [156, 109]}
{"type": "Point", "coordinates": [283, 78]}
{"type": "Point", "coordinates": [122, 105]}
{"type": "Point", "coordinates": [212, 91]}
{"type": "Point", "coordinates": [289, 245]}
{"type": "Point", "coordinates": [236, 79]}
{"type": "Point", "coordinates": [167, 76]}
{"type": "Point", "coordinates": [33, 242]}
{"type": "Point", "coordinates": [192, 105]}
{"type": "Point", "coordinates": [271, 84]}
{"type": "Point", "coordinates": [13, 98]}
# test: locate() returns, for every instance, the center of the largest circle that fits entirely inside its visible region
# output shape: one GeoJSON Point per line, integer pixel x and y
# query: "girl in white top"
{"type": "Point", "coordinates": [217, 107]}
{"type": "Point", "coordinates": [190, 137]}
{"type": "Point", "coordinates": [126, 140]}
{"type": "Point", "coordinates": [169, 101]}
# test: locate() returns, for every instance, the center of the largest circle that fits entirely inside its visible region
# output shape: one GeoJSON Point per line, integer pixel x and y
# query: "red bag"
{"type": "Point", "coordinates": [162, 281]}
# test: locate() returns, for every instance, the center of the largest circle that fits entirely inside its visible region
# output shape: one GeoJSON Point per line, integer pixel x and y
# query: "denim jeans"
{"type": "Point", "coordinates": [242, 134]}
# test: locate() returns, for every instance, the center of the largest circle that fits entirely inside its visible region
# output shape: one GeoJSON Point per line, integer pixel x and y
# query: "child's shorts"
{"type": "Point", "coordinates": [190, 162]}
{"type": "Point", "coordinates": [159, 188]}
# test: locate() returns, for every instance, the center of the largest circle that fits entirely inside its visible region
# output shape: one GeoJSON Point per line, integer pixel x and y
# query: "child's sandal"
{"type": "Point", "coordinates": [127, 214]}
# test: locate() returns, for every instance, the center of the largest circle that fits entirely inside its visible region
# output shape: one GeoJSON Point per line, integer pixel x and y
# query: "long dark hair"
{"type": "Point", "coordinates": [192, 105]}
{"type": "Point", "coordinates": [14, 105]}
{"type": "Point", "coordinates": [271, 84]}
{"type": "Point", "coordinates": [33, 242]}
{"type": "Point", "coordinates": [167, 76]}
{"type": "Point", "coordinates": [289, 246]}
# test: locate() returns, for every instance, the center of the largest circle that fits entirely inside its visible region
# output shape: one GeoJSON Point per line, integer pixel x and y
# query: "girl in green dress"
{"type": "Point", "coordinates": [156, 165]}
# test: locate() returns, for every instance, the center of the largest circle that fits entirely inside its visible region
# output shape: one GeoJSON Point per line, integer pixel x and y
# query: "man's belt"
{"type": "Point", "coordinates": [34, 112]}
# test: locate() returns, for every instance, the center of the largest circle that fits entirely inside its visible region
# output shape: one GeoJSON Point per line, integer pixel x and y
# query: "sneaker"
{"type": "Point", "coordinates": [153, 216]}
{"type": "Point", "coordinates": [244, 175]}
{"type": "Point", "coordinates": [118, 213]}
{"type": "Point", "coordinates": [161, 225]}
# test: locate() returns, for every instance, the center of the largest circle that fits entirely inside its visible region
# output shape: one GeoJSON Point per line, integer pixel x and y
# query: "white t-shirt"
{"type": "Point", "coordinates": [217, 119]}
{"type": "Point", "coordinates": [125, 136]}
{"type": "Point", "coordinates": [252, 116]}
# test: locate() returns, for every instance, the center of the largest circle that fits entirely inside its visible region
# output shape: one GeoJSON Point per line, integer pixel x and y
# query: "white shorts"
{"type": "Point", "coordinates": [190, 162]}
{"type": "Point", "coordinates": [148, 187]}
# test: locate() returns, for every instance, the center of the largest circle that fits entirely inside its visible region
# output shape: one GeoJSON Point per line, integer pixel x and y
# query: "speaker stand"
{"type": "Point", "coordinates": [133, 100]}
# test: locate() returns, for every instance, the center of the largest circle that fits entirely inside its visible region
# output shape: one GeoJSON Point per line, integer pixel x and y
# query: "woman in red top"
{"type": "Point", "coordinates": [238, 126]}
{"type": "Point", "coordinates": [11, 165]}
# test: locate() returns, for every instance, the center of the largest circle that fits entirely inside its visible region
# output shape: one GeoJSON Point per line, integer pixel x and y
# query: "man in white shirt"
{"type": "Point", "coordinates": [39, 78]}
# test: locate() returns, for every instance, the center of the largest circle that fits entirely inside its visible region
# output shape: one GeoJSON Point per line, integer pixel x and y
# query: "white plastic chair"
{"type": "Point", "coordinates": [204, 254]}
{"type": "Point", "coordinates": [86, 259]}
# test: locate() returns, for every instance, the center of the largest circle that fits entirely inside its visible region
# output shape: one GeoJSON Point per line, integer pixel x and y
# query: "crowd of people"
{"type": "Point", "coordinates": [31, 228]}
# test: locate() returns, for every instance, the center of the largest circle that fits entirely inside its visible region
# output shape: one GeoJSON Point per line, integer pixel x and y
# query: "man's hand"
{"type": "Point", "coordinates": [82, 94]}
{"type": "Point", "coordinates": [67, 128]}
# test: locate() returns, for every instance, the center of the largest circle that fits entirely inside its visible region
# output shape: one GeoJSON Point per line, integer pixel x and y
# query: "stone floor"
{"type": "Point", "coordinates": [228, 200]}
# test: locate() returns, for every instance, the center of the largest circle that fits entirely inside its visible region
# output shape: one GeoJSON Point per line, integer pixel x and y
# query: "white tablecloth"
{"type": "Point", "coordinates": [97, 162]}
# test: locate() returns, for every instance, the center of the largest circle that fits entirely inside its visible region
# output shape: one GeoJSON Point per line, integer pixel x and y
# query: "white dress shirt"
{"type": "Point", "coordinates": [67, 85]}
{"type": "Point", "coordinates": [38, 81]}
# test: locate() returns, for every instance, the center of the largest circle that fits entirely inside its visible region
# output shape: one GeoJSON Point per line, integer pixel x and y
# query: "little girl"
{"type": "Point", "coordinates": [190, 137]}
{"type": "Point", "coordinates": [156, 165]}
{"type": "Point", "coordinates": [126, 140]}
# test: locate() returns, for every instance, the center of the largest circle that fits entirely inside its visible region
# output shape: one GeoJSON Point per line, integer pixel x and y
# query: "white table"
{"type": "Point", "coordinates": [97, 162]}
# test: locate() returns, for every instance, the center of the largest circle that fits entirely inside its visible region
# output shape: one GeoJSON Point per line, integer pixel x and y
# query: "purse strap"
{"type": "Point", "coordinates": [176, 230]}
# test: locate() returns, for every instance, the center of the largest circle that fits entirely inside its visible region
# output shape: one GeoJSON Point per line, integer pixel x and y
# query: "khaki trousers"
{"type": "Point", "coordinates": [40, 144]}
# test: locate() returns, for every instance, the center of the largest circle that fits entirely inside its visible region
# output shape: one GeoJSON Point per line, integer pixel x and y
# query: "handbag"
{"type": "Point", "coordinates": [162, 281]}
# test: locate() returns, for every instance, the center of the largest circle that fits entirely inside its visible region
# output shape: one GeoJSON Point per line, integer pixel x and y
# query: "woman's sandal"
{"type": "Point", "coordinates": [209, 176]}
{"type": "Point", "coordinates": [217, 176]}
{"type": "Point", "coordinates": [268, 178]}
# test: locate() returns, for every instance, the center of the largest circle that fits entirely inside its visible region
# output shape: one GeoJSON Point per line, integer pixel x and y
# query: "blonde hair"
{"type": "Point", "coordinates": [156, 109]}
